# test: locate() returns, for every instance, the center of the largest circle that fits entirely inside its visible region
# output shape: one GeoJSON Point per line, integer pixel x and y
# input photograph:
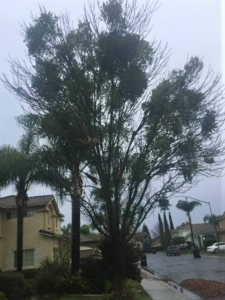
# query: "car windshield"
{"type": "Point", "coordinates": [172, 247]}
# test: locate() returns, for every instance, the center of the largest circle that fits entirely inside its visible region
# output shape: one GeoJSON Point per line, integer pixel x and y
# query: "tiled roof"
{"type": "Point", "coordinates": [10, 201]}
{"type": "Point", "coordinates": [84, 238]}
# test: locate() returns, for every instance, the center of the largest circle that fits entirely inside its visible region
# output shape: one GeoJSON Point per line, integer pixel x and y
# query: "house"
{"type": "Point", "coordinates": [156, 242]}
{"type": "Point", "coordinates": [42, 232]}
{"type": "Point", "coordinates": [204, 233]}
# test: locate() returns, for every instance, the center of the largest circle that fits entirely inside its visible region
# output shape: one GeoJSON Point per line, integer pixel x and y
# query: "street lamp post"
{"type": "Point", "coordinates": [214, 226]}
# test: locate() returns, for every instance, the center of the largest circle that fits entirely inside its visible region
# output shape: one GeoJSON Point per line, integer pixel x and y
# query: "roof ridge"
{"type": "Point", "coordinates": [28, 196]}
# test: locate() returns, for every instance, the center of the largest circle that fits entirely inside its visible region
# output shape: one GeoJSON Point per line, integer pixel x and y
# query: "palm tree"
{"type": "Point", "coordinates": [22, 167]}
{"type": "Point", "coordinates": [188, 207]}
{"type": "Point", "coordinates": [66, 229]}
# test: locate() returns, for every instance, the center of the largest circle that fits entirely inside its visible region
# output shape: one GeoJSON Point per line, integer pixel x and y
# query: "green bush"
{"type": "Point", "coordinates": [128, 293]}
{"type": "Point", "coordinates": [72, 285]}
{"type": "Point", "coordinates": [93, 270]}
{"type": "Point", "coordinates": [12, 285]}
{"type": "Point", "coordinates": [99, 271]}
{"type": "Point", "coordinates": [2, 296]}
{"type": "Point", "coordinates": [29, 288]}
{"type": "Point", "coordinates": [50, 270]}
{"type": "Point", "coordinates": [30, 274]}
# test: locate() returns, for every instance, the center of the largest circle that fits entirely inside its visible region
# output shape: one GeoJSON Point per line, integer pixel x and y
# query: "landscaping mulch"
{"type": "Point", "coordinates": [205, 288]}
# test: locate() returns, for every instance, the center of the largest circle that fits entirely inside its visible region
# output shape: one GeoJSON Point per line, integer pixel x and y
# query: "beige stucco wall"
{"type": "Point", "coordinates": [32, 238]}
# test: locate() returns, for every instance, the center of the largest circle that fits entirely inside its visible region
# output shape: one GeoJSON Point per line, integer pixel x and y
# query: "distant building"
{"type": "Point", "coordinates": [204, 233]}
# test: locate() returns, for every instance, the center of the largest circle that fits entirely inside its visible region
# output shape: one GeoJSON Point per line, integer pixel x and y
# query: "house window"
{"type": "Point", "coordinates": [57, 222]}
{"type": "Point", "coordinates": [28, 213]}
{"type": "Point", "coordinates": [54, 253]}
{"type": "Point", "coordinates": [220, 225]}
{"type": "Point", "coordinates": [28, 258]}
{"type": "Point", "coordinates": [11, 215]}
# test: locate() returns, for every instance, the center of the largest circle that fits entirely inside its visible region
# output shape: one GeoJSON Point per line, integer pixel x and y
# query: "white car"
{"type": "Point", "coordinates": [214, 247]}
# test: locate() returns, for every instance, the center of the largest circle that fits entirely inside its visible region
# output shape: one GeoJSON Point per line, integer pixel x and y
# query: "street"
{"type": "Point", "coordinates": [179, 268]}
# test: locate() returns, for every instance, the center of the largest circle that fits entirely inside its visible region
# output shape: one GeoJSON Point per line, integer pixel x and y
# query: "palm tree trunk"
{"type": "Point", "coordinates": [19, 238]}
{"type": "Point", "coordinates": [192, 235]}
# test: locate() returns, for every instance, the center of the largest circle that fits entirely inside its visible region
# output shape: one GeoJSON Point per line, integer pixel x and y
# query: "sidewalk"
{"type": "Point", "coordinates": [159, 290]}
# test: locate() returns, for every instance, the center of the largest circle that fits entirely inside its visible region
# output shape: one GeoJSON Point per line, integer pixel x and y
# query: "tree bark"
{"type": "Point", "coordinates": [75, 234]}
{"type": "Point", "coordinates": [119, 263]}
{"type": "Point", "coordinates": [192, 235]}
{"type": "Point", "coordinates": [19, 238]}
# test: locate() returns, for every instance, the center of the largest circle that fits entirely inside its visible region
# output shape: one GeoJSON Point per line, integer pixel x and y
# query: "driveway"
{"type": "Point", "coordinates": [179, 268]}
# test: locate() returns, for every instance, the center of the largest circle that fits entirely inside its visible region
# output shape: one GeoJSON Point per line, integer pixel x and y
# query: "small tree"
{"type": "Point", "coordinates": [171, 222]}
{"type": "Point", "coordinates": [162, 235]}
{"type": "Point", "coordinates": [178, 240]}
{"type": "Point", "coordinates": [146, 231]}
{"type": "Point", "coordinates": [213, 220]}
{"type": "Point", "coordinates": [85, 229]}
{"type": "Point", "coordinates": [167, 231]}
{"type": "Point", "coordinates": [66, 229]}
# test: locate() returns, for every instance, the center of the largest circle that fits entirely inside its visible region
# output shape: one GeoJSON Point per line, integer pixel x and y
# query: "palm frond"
{"type": "Point", "coordinates": [187, 206]}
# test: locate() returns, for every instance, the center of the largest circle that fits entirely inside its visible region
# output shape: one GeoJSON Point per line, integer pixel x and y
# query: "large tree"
{"type": "Point", "coordinates": [171, 222]}
{"type": "Point", "coordinates": [146, 135]}
{"type": "Point", "coordinates": [167, 230]}
{"type": "Point", "coordinates": [188, 207]}
{"type": "Point", "coordinates": [23, 167]}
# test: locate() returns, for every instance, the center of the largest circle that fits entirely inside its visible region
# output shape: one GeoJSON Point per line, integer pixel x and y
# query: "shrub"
{"type": "Point", "coordinates": [29, 288]}
{"type": "Point", "coordinates": [93, 270]}
{"type": "Point", "coordinates": [50, 270]}
{"type": "Point", "coordinates": [2, 296]}
{"type": "Point", "coordinates": [72, 285]}
{"type": "Point", "coordinates": [30, 274]}
{"type": "Point", "coordinates": [99, 271]}
{"type": "Point", "coordinates": [147, 245]}
{"type": "Point", "coordinates": [128, 293]}
{"type": "Point", "coordinates": [12, 284]}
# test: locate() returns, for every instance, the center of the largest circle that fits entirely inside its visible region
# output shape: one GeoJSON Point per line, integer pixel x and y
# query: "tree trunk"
{"type": "Point", "coordinates": [19, 238]}
{"type": "Point", "coordinates": [75, 234]}
{"type": "Point", "coordinates": [119, 263]}
{"type": "Point", "coordinates": [192, 235]}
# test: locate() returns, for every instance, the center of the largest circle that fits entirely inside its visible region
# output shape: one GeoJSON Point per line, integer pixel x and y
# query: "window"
{"type": "Point", "coordinates": [11, 215]}
{"type": "Point", "coordinates": [57, 222]}
{"type": "Point", "coordinates": [220, 225]}
{"type": "Point", "coordinates": [54, 253]}
{"type": "Point", "coordinates": [28, 258]}
{"type": "Point", "coordinates": [28, 213]}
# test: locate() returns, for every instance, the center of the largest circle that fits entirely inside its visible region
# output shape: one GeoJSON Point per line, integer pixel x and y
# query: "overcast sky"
{"type": "Point", "coordinates": [191, 27]}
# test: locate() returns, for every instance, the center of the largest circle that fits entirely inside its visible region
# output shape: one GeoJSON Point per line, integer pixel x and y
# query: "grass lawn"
{"type": "Point", "coordinates": [143, 295]}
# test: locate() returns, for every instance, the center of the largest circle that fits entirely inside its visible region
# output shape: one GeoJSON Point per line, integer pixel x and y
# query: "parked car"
{"type": "Point", "coordinates": [183, 246]}
{"type": "Point", "coordinates": [173, 250]}
{"type": "Point", "coordinates": [214, 247]}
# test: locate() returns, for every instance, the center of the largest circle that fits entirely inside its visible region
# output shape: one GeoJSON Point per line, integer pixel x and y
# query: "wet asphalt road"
{"type": "Point", "coordinates": [179, 268]}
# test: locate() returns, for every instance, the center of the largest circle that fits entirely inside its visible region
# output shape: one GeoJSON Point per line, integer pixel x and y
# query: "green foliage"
{"type": "Point", "coordinates": [95, 271]}
{"type": "Point", "coordinates": [29, 288]}
{"type": "Point", "coordinates": [30, 274]}
{"type": "Point", "coordinates": [50, 270]}
{"type": "Point", "coordinates": [85, 229]}
{"type": "Point", "coordinates": [210, 219]}
{"type": "Point", "coordinates": [2, 296]}
{"type": "Point", "coordinates": [100, 270]}
{"type": "Point", "coordinates": [161, 228]}
{"type": "Point", "coordinates": [66, 229]}
{"type": "Point", "coordinates": [187, 206]}
{"type": "Point", "coordinates": [12, 285]}
{"type": "Point", "coordinates": [171, 222]}
{"type": "Point", "coordinates": [178, 240]}
{"type": "Point", "coordinates": [129, 292]}
{"type": "Point", "coordinates": [72, 284]}
{"type": "Point", "coordinates": [167, 231]}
